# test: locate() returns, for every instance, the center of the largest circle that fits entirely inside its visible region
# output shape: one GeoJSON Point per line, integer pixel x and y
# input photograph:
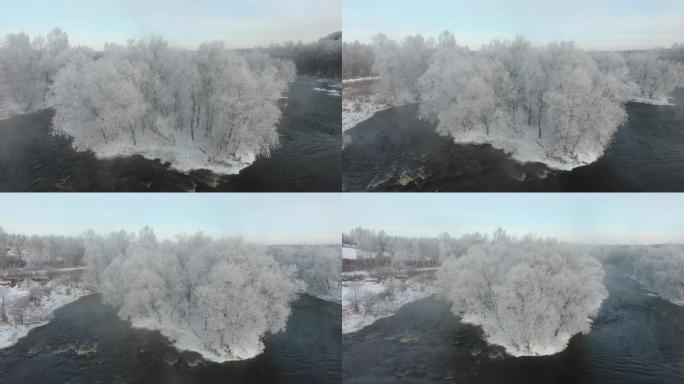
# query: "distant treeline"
{"type": "Point", "coordinates": [322, 58]}
{"type": "Point", "coordinates": [35, 252]}
{"type": "Point", "coordinates": [359, 58]}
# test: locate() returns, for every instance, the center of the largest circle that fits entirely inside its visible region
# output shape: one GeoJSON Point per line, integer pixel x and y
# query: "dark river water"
{"type": "Point", "coordinates": [395, 151]}
{"type": "Point", "coordinates": [637, 338]}
{"type": "Point", "coordinates": [309, 351]}
{"type": "Point", "coordinates": [307, 160]}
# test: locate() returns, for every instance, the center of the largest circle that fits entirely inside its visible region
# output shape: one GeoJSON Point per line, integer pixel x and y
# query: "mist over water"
{"type": "Point", "coordinates": [396, 151]}
{"type": "Point", "coordinates": [308, 158]}
{"type": "Point", "coordinates": [636, 338]}
{"type": "Point", "coordinates": [87, 343]}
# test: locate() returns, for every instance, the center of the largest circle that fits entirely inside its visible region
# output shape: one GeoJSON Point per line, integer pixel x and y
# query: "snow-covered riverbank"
{"type": "Point", "coordinates": [651, 101]}
{"type": "Point", "coordinates": [365, 301]}
{"type": "Point", "coordinates": [30, 304]}
{"type": "Point", "coordinates": [359, 102]}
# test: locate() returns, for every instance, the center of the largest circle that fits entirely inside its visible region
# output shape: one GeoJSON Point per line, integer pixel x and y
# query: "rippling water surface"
{"type": "Point", "coordinates": [307, 160]}
{"type": "Point", "coordinates": [637, 338]}
{"type": "Point", "coordinates": [87, 343]}
{"type": "Point", "coordinates": [395, 151]}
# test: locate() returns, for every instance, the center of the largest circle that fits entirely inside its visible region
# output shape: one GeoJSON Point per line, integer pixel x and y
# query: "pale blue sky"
{"type": "Point", "coordinates": [264, 218]}
{"type": "Point", "coordinates": [585, 218]}
{"type": "Point", "coordinates": [593, 24]}
{"type": "Point", "coordinates": [241, 23]}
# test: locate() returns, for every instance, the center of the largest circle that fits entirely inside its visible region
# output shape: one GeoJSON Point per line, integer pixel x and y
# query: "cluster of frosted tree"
{"type": "Point", "coordinates": [529, 295]}
{"type": "Point", "coordinates": [661, 269]}
{"type": "Point", "coordinates": [28, 68]}
{"type": "Point", "coordinates": [321, 58]}
{"type": "Point", "coordinates": [211, 106]}
{"type": "Point", "coordinates": [556, 103]}
{"type": "Point", "coordinates": [655, 77]}
{"type": "Point", "coordinates": [386, 250]}
{"type": "Point", "coordinates": [319, 266]}
{"type": "Point", "coordinates": [215, 297]}
{"type": "Point", "coordinates": [357, 60]}
{"type": "Point", "coordinates": [553, 103]}
{"type": "Point", "coordinates": [400, 65]}
{"type": "Point", "coordinates": [34, 252]}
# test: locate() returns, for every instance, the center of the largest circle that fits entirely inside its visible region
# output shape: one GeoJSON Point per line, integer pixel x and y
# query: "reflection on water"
{"type": "Point", "coordinates": [395, 151]}
{"type": "Point", "coordinates": [307, 160]}
{"type": "Point", "coordinates": [637, 338]}
{"type": "Point", "coordinates": [87, 343]}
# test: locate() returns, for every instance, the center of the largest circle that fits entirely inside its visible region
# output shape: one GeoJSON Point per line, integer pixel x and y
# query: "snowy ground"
{"type": "Point", "coordinates": [358, 101]}
{"type": "Point", "coordinates": [182, 157]}
{"type": "Point", "coordinates": [333, 295]}
{"type": "Point", "coordinates": [654, 101]}
{"type": "Point", "coordinates": [58, 292]}
{"type": "Point", "coordinates": [653, 292]}
{"type": "Point", "coordinates": [9, 109]}
{"type": "Point", "coordinates": [525, 147]}
{"type": "Point", "coordinates": [185, 339]}
{"type": "Point", "coordinates": [370, 299]}
{"type": "Point", "coordinates": [558, 344]}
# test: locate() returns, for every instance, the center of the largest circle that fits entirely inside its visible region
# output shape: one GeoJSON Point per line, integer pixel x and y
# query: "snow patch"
{"type": "Point", "coordinates": [360, 79]}
{"type": "Point", "coordinates": [652, 101]}
{"type": "Point", "coordinates": [184, 339]}
{"type": "Point", "coordinates": [364, 302]}
{"type": "Point", "coordinates": [356, 111]}
{"type": "Point", "coordinates": [183, 158]}
{"type": "Point", "coordinates": [525, 147]}
{"type": "Point", "coordinates": [36, 315]}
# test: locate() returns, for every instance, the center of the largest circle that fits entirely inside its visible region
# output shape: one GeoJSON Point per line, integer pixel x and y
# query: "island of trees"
{"type": "Point", "coordinates": [216, 297]}
{"type": "Point", "coordinates": [529, 295]}
{"type": "Point", "coordinates": [556, 104]}
{"type": "Point", "coordinates": [211, 108]}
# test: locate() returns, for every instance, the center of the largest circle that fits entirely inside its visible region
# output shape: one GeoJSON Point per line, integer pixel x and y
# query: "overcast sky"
{"type": "Point", "coordinates": [602, 218]}
{"type": "Point", "coordinates": [264, 218]}
{"type": "Point", "coordinates": [593, 24]}
{"type": "Point", "coordinates": [186, 23]}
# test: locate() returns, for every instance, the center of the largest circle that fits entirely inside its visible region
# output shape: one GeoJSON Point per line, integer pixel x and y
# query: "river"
{"type": "Point", "coordinates": [308, 158]}
{"type": "Point", "coordinates": [396, 151]}
{"type": "Point", "coordinates": [636, 338]}
{"type": "Point", "coordinates": [87, 343]}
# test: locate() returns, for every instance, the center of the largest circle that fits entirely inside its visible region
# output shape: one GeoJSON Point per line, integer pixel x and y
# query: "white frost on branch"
{"type": "Point", "coordinates": [529, 295]}
{"type": "Point", "coordinates": [661, 270]}
{"type": "Point", "coordinates": [215, 297]}
{"type": "Point", "coordinates": [551, 104]}
{"type": "Point", "coordinates": [211, 108]}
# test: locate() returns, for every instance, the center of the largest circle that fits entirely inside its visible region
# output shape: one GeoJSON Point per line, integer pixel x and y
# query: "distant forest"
{"type": "Point", "coordinates": [322, 58]}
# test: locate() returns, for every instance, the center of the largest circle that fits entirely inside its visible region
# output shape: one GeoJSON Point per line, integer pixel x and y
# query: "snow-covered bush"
{"type": "Point", "coordinates": [661, 269]}
{"type": "Point", "coordinates": [211, 108]}
{"type": "Point", "coordinates": [529, 295]}
{"type": "Point", "coordinates": [216, 297]}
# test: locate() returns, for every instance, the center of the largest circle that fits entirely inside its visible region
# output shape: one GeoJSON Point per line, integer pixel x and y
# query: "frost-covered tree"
{"type": "Point", "coordinates": [551, 104]}
{"type": "Point", "coordinates": [357, 60]}
{"type": "Point", "coordinates": [28, 67]}
{"type": "Point", "coordinates": [215, 297]}
{"type": "Point", "coordinates": [529, 295]}
{"type": "Point", "coordinates": [4, 247]}
{"type": "Point", "coordinates": [661, 269]}
{"type": "Point", "coordinates": [656, 78]}
{"type": "Point", "coordinates": [322, 58]}
{"type": "Point", "coordinates": [131, 100]}
{"type": "Point", "coordinates": [319, 266]}
{"type": "Point", "coordinates": [399, 66]}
